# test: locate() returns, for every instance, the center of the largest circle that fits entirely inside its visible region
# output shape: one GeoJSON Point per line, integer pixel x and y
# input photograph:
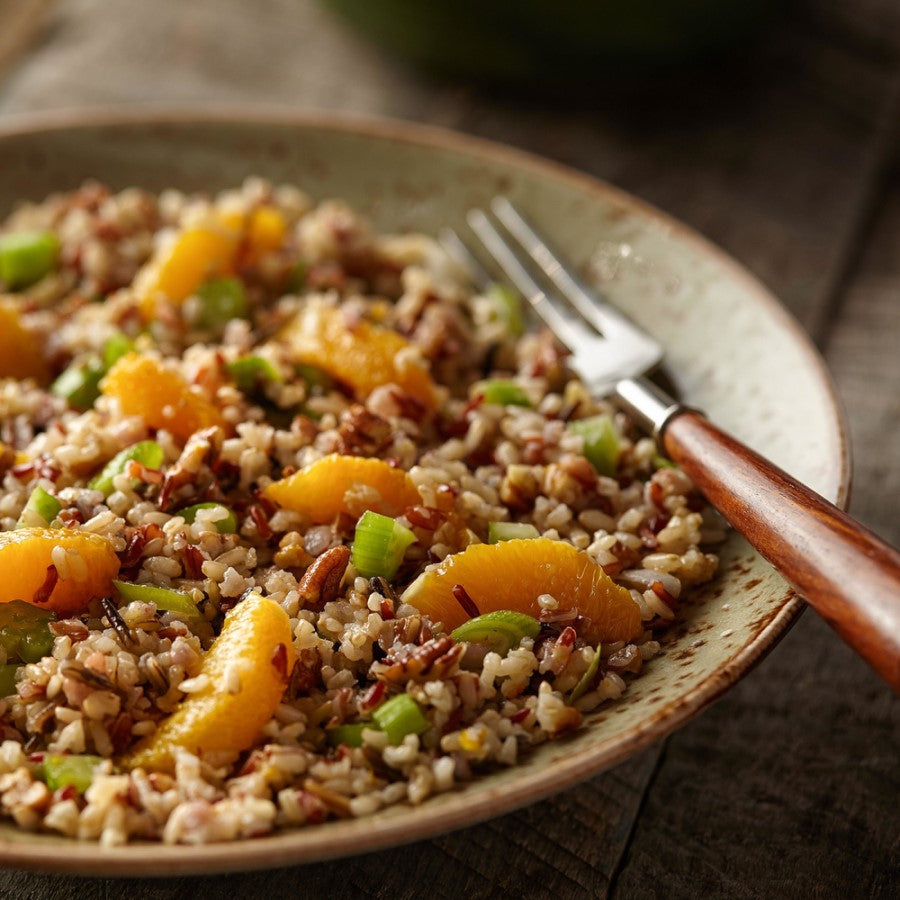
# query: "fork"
{"type": "Point", "coordinates": [843, 570]}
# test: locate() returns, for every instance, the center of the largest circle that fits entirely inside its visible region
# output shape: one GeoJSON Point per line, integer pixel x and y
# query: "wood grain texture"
{"type": "Point", "coordinates": [788, 786]}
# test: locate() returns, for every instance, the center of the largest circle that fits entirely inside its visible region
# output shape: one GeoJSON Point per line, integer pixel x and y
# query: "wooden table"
{"type": "Point", "coordinates": [789, 786]}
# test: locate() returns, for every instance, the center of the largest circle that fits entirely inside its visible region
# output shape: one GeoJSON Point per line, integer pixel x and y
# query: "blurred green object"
{"type": "Point", "coordinates": [555, 42]}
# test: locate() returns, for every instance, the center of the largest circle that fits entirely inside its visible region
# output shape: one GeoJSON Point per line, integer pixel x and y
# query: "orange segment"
{"type": "Point", "coordinates": [21, 355]}
{"type": "Point", "coordinates": [246, 672]}
{"type": "Point", "coordinates": [319, 490]}
{"type": "Point", "coordinates": [362, 355]}
{"type": "Point", "coordinates": [195, 255]}
{"type": "Point", "coordinates": [161, 397]}
{"type": "Point", "coordinates": [265, 232]}
{"type": "Point", "coordinates": [513, 574]}
{"type": "Point", "coordinates": [26, 554]}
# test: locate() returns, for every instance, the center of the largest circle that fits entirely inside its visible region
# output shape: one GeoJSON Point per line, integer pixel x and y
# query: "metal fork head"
{"type": "Point", "coordinates": [606, 346]}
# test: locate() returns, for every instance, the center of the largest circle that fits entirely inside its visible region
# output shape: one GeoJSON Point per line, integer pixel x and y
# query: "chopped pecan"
{"type": "Point", "coordinates": [321, 582]}
{"type": "Point", "coordinates": [437, 658]}
{"type": "Point", "coordinates": [362, 432]}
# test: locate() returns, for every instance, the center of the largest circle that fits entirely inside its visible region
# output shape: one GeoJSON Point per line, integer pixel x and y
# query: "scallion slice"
{"type": "Point", "coordinates": [221, 300]}
{"type": "Point", "coordinates": [601, 442]}
{"type": "Point", "coordinates": [116, 346]}
{"type": "Point", "coordinates": [500, 630]}
{"type": "Point", "coordinates": [8, 674]}
{"type": "Point", "coordinates": [226, 525]}
{"type": "Point", "coordinates": [27, 256]}
{"type": "Point", "coordinates": [350, 735]}
{"type": "Point", "coordinates": [40, 510]}
{"type": "Point", "coordinates": [509, 531]}
{"type": "Point", "coordinates": [586, 682]}
{"type": "Point", "coordinates": [166, 599]}
{"type": "Point", "coordinates": [379, 545]}
{"type": "Point", "coordinates": [147, 453]}
{"type": "Point", "coordinates": [25, 631]}
{"type": "Point", "coordinates": [249, 372]}
{"type": "Point", "coordinates": [69, 771]}
{"type": "Point", "coordinates": [508, 305]}
{"type": "Point", "coordinates": [504, 392]}
{"type": "Point", "coordinates": [79, 384]}
{"type": "Point", "coordinates": [399, 717]}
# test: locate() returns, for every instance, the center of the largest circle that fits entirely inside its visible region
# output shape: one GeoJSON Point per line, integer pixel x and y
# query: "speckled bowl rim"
{"type": "Point", "coordinates": [351, 837]}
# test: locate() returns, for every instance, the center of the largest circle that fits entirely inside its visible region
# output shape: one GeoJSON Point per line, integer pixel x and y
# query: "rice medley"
{"type": "Point", "coordinates": [118, 668]}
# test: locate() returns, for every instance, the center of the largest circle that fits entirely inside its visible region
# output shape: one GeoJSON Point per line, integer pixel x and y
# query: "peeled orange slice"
{"type": "Point", "coordinates": [246, 672]}
{"type": "Point", "coordinates": [26, 557]}
{"type": "Point", "coordinates": [513, 574]}
{"type": "Point", "coordinates": [20, 352]}
{"type": "Point", "coordinates": [362, 355]}
{"type": "Point", "coordinates": [161, 397]}
{"type": "Point", "coordinates": [319, 490]}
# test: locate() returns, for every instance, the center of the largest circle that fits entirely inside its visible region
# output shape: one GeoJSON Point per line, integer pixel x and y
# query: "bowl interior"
{"type": "Point", "coordinates": [731, 350]}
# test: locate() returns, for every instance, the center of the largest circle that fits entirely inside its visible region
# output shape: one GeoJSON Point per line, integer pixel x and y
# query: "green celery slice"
{"type": "Point", "coordinates": [379, 545]}
{"type": "Point", "coordinates": [166, 599]}
{"type": "Point", "coordinates": [508, 304]}
{"type": "Point", "coordinates": [509, 531]}
{"type": "Point", "coordinates": [69, 771]}
{"type": "Point", "coordinates": [350, 735]}
{"type": "Point", "coordinates": [41, 505]}
{"type": "Point", "coordinates": [8, 674]}
{"type": "Point", "coordinates": [147, 453]}
{"type": "Point", "coordinates": [116, 346]}
{"type": "Point", "coordinates": [25, 630]}
{"type": "Point", "coordinates": [500, 630]}
{"type": "Point", "coordinates": [79, 384]}
{"type": "Point", "coordinates": [587, 680]}
{"type": "Point", "coordinates": [601, 442]}
{"type": "Point", "coordinates": [504, 392]}
{"type": "Point", "coordinates": [227, 525]}
{"type": "Point", "coordinates": [249, 372]}
{"type": "Point", "coordinates": [399, 717]}
{"type": "Point", "coordinates": [27, 256]}
{"type": "Point", "coordinates": [221, 300]}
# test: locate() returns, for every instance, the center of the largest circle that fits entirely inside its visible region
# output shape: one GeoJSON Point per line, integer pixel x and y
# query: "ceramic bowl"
{"type": "Point", "coordinates": [731, 350]}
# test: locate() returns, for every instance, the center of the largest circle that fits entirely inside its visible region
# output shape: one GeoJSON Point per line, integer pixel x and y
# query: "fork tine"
{"type": "Point", "coordinates": [572, 332]}
{"type": "Point", "coordinates": [607, 320]}
{"type": "Point", "coordinates": [459, 252]}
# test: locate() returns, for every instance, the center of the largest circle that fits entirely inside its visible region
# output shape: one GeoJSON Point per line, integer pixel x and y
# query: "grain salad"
{"type": "Point", "coordinates": [296, 523]}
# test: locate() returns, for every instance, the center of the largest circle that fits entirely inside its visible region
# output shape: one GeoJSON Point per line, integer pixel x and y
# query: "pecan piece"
{"type": "Point", "coordinates": [321, 582]}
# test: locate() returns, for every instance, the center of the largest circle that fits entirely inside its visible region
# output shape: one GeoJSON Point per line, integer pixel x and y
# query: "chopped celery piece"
{"type": "Point", "coordinates": [115, 348]}
{"type": "Point", "coordinates": [508, 303]}
{"type": "Point", "coordinates": [79, 384]}
{"type": "Point", "coordinates": [41, 507]}
{"type": "Point", "coordinates": [501, 630]}
{"type": "Point", "coordinates": [249, 372]}
{"type": "Point", "coordinates": [8, 678]}
{"type": "Point", "coordinates": [399, 717]}
{"type": "Point", "coordinates": [25, 630]}
{"type": "Point", "coordinates": [586, 682]}
{"type": "Point", "coordinates": [166, 599]}
{"type": "Point", "coordinates": [601, 442]}
{"type": "Point", "coordinates": [662, 462]}
{"type": "Point", "coordinates": [221, 300]}
{"type": "Point", "coordinates": [314, 376]}
{"type": "Point", "coordinates": [226, 525]}
{"type": "Point", "coordinates": [297, 278]}
{"type": "Point", "coordinates": [27, 256]}
{"type": "Point", "coordinates": [508, 531]}
{"type": "Point", "coordinates": [379, 545]}
{"type": "Point", "coordinates": [504, 392]}
{"type": "Point", "coordinates": [351, 735]}
{"type": "Point", "coordinates": [147, 453]}
{"type": "Point", "coordinates": [69, 771]}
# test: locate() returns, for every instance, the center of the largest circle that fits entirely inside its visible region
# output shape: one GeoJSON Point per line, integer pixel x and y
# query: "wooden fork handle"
{"type": "Point", "coordinates": [849, 575]}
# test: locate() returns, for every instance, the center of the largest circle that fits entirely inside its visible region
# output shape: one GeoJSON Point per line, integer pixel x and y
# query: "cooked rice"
{"type": "Point", "coordinates": [114, 675]}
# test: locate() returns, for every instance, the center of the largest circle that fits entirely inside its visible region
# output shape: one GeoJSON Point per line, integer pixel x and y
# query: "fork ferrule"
{"type": "Point", "coordinates": [649, 404]}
